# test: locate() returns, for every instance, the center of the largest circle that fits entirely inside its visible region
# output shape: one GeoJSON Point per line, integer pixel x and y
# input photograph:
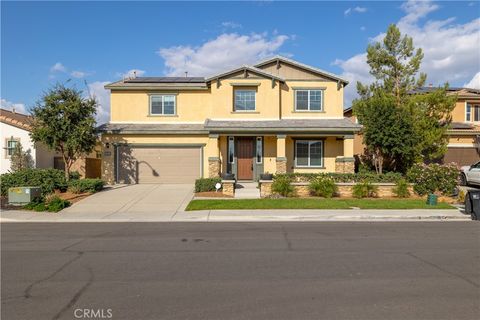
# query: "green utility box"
{"type": "Point", "coordinates": [23, 195]}
{"type": "Point", "coordinates": [432, 199]}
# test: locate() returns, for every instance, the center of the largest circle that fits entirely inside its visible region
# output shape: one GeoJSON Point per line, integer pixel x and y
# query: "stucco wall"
{"type": "Point", "coordinates": [17, 133]}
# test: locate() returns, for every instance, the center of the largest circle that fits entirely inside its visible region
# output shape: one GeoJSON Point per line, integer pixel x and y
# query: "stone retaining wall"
{"type": "Point", "coordinates": [228, 187]}
{"type": "Point", "coordinates": [345, 190]}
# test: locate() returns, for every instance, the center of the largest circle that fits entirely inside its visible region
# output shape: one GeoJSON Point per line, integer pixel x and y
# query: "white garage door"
{"type": "Point", "coordinates": [159, 164]}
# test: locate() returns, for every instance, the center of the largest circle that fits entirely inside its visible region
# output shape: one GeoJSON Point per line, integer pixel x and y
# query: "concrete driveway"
{"type": "Point", "coordinates": [142, 200]}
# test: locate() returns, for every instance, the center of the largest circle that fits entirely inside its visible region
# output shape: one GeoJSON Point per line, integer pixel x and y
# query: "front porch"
{"type": "Point", "coordinates": [247, 156]}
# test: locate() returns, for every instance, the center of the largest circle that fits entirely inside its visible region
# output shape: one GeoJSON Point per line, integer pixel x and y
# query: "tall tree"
{"type": "Point", "coordinates": [65, 122]}
{"type": "Point", "coordinates": [395, 64]}
{"type": "Point", "coordinates": [20, 159]}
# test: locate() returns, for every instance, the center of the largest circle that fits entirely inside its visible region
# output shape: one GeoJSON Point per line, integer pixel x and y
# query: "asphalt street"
{"type": "Point", "coordinates": [304, 270]}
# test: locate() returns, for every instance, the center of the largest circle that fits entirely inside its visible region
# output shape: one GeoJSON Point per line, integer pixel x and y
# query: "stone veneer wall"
{"type": "Point", "coordinates": [213, 167]}
{"type": "Point", "coordinates": [228, 187]}
{"type": "Point", "coordinates": [345, 190]}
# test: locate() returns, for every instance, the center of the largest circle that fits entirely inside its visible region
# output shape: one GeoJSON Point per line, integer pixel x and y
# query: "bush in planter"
{"type": "Point", "coordinates": [364, 190]}
{"type": "Point", "coordinates": [323, 187]}
{"type": "Point", "coordinates": [85, 185]}
{"type": "Point", "coordinates": [206, 184]}
{"type": "Point", "coordinates": [282, 185]}
{"type": "Point", "coordinates": [433, 178]}
{"type": "Point", "coordinates": [52, 203]}
{"type": "Point", "coordinates": [48, 180]}
{"type": "Point", "coordinates": [401, 189]}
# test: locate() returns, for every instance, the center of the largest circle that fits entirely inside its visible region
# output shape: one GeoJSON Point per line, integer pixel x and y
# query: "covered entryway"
{"type": "Point", "coordinates": [162, 164]}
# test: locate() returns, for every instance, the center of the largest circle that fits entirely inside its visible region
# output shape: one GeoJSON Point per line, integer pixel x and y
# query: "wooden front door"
{"type": "Point", "coordinates": [244, 158]}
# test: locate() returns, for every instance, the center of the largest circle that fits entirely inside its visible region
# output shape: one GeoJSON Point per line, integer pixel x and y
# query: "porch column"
{"type": "Point", "coordinates": [213, 156]}
{"type": "Point", "coordinates": [281, 153]}
{"type": "Point", "coordinates": [346, 163]}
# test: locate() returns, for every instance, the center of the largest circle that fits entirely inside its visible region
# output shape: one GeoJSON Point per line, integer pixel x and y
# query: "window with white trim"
{"type": "Point", "coordinates": [472, 113]}
{"type": "Point", "coordinates": [244, 100]}
{"type": "Point", "coordinates": [309, 153]}
{"type": "Point", "coordinates": [163, 104]}
{"type": "Point", "coordinates": [308, 100]}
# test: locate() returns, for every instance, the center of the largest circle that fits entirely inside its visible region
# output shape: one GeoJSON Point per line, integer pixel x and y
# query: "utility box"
{"type": "Point", "coordinates": [23, 195]}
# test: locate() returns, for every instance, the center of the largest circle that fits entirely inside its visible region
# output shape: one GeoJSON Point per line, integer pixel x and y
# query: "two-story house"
{"type": "Point", "coordinates": [464, 132]}
{"type": "Point", "coordinates": [276, 116]}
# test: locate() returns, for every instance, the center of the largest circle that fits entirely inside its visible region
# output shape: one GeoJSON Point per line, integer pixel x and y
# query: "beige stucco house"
{"type": "Point", "coordinates": [463, 134]}
{"type": "Point", "coordinates": [276, 116]}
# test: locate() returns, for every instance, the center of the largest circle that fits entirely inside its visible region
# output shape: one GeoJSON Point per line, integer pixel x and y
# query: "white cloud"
{"type": "Point", "coordinates": [450, 49]}
{"type": "Point", "coordinates": [231, 24]}
{"type": "Point", "coordinates": [228, 50]}
{"type": "Point", "coordinates": [102, 95]}
{"type": "Point", "coordinates": [355, 9]}
{"type": "Point", "coordinates": [363, 28]}
{"type": "Point", "coordinates": [474, 83]}
{"type": "Point", "coordinates": [58, 67]}
{"type": "Point", "coordinates": [131, 73]}
{"type": "Point", "coordinates": [78, 74]}
{"type": "Point", "coordinates": [19, 107]}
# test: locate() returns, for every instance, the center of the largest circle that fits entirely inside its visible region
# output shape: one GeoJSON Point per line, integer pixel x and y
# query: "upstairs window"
{"type": "Point", "coordinates": [309, 100]}
{"type": "Point", "coordinates": [163, 105]}
{"type": "Point", "coordinates": [472, 113]}
{"type": "Point", "coordinates": [244, 100]}
{"type": "Point", "coordinates": [10, 146]}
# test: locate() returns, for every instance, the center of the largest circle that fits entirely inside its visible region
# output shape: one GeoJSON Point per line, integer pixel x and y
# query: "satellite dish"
{"type": "Point", "coordinates": [218, 185]}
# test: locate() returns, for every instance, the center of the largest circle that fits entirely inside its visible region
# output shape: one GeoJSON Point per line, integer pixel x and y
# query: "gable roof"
{"type": "Point", "coordinates": [15, 119]}
{"type": "Point", "coordinates": [302, 66]}
{"type": "Point", "coordinates": [245, 68]}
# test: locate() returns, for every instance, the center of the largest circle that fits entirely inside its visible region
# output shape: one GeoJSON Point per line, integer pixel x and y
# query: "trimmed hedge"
{"type": "Point", "coordinates": [48, 180]}
{"type": "Point", "coordinates": [206, 184]}
{"type": "Point", "coordinates": [344, 177]}
{"type": "Point", "coordinates": [85, 185]}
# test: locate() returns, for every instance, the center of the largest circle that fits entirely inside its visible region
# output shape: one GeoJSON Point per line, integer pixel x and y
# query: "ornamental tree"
{"type": "Point", "coordinates": [64, 121]}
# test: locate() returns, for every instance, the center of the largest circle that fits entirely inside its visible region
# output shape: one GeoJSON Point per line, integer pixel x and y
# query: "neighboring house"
{"type": "Point", "coordinates": [464, 132]}
{"type": "Point", "coordinates": [276, 116]}
{"type": "Point", "coordinates": [15, 128]}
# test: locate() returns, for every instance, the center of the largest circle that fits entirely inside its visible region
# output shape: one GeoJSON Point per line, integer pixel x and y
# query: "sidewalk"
{"type": "Point", "coordinates": [240, 216]}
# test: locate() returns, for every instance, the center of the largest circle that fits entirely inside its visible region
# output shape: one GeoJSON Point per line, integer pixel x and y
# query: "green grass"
{"type": "Point", "coordinates": [296, 203]}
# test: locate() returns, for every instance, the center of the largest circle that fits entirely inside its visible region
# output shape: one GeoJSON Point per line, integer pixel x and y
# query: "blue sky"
{"type": "Point", "coordinates": [98, 42]}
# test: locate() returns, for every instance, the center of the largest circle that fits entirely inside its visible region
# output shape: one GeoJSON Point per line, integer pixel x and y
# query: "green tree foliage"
{"type": "Point", "coordinates": [65, 122]}
{"type": "Point", "coordinates": [401, 128]}
{"type": "Point", "coordinates": [20, 160]}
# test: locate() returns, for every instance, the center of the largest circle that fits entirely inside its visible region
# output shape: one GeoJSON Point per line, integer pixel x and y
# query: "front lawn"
{"type": "Point", "coordinates": [296, 203]}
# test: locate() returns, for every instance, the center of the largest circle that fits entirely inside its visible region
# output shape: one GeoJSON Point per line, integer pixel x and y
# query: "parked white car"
{"type": "Point", "coordinates": [470, 174]}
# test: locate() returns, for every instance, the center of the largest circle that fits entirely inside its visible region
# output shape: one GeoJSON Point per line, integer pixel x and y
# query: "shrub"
{"type": "Point", "coordinates": [433, 178]}
{"type": "Point", "coordinates": [47, 179]}
{"type": "Point", "coordinates": [74, 175]}
{"type": "Point", "coordinates": [206, 184]}
{"type": "Point", "coordinates": [401, 189]}
{"type": "Point", "coordinates": [85, 185]}
{"type": "Point", "coordinates": [55, 204]}
{"type": "Point", "coordinates": [323, 187]}
{"type": "Point", "coordinates": [282, 184]}
{"type": "Point", "coordinates": [51, 203]}
{"type": "Point", "coordinates": [364, 190]}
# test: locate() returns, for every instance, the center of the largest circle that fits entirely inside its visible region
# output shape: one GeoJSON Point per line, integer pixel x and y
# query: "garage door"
{"type": "Point", "coordinates": [158, 164]}
{"type": "Point", "coordinates": [461, 156]}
